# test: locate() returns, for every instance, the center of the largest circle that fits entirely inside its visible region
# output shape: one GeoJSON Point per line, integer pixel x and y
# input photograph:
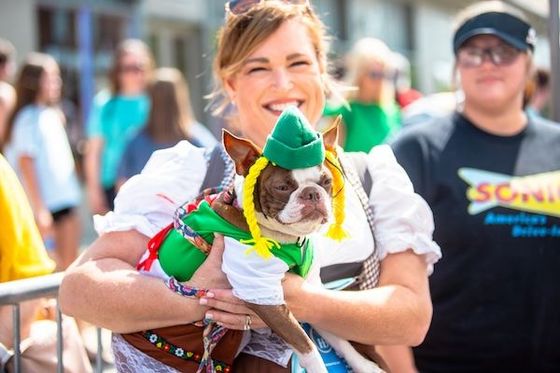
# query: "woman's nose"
{"type": "Point", "coordinates": [282, 79]}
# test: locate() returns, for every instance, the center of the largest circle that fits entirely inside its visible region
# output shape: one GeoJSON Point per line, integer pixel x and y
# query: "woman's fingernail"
{"type": "Point", "coordinates": [203, 301]}
{"type": "Point", "coordinates": [208, 316]}
{"type": "Point", "coordinates": [209, 295]}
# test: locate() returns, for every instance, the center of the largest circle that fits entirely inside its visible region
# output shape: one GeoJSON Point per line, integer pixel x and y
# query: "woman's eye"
{"type": "Point", "coordinates": [255, 70]}
{"type": "Point", "coordinates": [299, 63]}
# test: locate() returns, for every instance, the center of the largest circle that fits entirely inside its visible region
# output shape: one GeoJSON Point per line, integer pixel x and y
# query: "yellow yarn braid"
{"type": "Point", "coordinates": [336, 231]}
{"type": "Point", "coordinates": [261, 245]}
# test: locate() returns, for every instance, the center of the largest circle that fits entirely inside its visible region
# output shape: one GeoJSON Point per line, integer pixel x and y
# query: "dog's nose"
{"type": "Point", "coordinates": [310, 194]}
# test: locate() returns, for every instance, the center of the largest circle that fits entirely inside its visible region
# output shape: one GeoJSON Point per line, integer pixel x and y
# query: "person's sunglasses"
{"type": "Point", "coordinates": [501, 55]}
{"type": "Point", "coordinates": [237, 7]}
{"type": "Point", "coordinates": [381, 75]}
{"type": "Point", "coordinates": [132, 68]}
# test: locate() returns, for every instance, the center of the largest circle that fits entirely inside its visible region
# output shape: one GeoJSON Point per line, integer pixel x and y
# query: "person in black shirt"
{"type": "Point", "coordinates": [492, 178]}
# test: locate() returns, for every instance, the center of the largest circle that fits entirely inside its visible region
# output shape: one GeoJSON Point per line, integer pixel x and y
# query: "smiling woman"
{"type": "Point", "coordinates": [271, 56]}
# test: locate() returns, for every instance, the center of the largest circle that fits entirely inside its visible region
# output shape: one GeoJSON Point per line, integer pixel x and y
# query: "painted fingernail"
{"type": "Point", "coordinates": [203, 301]}
{"type": "Point", "coordinates": [208, 317]}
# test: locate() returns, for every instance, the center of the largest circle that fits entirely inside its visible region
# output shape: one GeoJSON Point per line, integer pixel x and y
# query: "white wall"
{"type": "Point", "coordinates": [433, 55]}
{"type": "Point", "coordinates": [191, 10]}
{"type": "Point", "coordinates": [18, 24]}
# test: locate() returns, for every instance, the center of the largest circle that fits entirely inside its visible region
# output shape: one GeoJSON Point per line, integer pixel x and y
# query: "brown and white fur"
{"type": "Point", "coordinates": [289, 205]}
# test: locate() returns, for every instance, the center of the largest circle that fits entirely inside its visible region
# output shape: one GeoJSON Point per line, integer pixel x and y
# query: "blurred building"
{"type": "Point", "coordinates": [81, 35]}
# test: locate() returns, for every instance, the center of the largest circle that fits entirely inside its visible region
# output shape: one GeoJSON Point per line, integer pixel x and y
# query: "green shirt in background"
{"type": "Point", "coordinates": [367, 125]}
{"type": "Point", "coordinates": [116, 119]}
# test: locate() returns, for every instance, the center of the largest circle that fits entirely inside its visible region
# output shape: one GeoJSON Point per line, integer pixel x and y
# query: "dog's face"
{"type": "Point", "coordinates": [292, 202]}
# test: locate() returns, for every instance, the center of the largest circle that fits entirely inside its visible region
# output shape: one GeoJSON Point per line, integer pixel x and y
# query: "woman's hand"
{"type": "Point", "coordinates": [224, 307]}
{"type": "Point", "coordinates": [229, 311]}
{"type": "Point", "coordinates": [209, 275]}
{"type": "Point", "coordinates": [296, 290]}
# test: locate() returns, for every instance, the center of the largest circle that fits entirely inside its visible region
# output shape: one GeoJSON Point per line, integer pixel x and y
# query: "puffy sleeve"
{"type": "Point", "coordinates": [147, 201]}
{"type": "Point", "coordinates": [402, 219]}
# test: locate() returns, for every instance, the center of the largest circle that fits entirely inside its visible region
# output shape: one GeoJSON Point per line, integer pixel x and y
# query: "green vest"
{"type": "Point", "coordinates": [180, 258]}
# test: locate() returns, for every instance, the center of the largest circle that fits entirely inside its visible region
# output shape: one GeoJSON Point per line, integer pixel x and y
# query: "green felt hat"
{"type": "Point", "coordinates": [293, 144]}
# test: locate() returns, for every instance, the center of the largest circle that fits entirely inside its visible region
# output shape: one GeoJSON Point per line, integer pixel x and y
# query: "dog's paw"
{"type": "Point", "coordinates": [312, 362]}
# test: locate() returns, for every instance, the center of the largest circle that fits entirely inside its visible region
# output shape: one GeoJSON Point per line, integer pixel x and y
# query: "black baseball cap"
{"type": "Point", "coordinates": [514, 31]}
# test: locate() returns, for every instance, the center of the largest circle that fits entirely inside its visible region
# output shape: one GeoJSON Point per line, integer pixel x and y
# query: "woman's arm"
{"type": "Point", "coordinates": [398, 311]}
{"type": "Point", "coordinates": [104, 288]}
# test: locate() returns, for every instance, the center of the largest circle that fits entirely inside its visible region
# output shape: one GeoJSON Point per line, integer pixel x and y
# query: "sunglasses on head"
{"type": "Point", "coordinates": [500, 55]}
{"type": "Point", "coordinates": [237, 7]}
{"type": "Point", "coordinates": [132, 68]}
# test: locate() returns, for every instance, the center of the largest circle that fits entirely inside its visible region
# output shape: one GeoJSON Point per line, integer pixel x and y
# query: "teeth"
{"type": "Point", "coordinates": [282, 106]}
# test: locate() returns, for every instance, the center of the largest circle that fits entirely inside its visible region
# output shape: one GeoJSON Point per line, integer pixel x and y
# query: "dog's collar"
{"type": "Point", "coordinates": [301, 241]}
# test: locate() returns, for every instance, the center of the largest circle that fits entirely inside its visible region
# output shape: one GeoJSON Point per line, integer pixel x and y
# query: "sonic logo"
{"type": "Point", "coordinates": [538, 193]}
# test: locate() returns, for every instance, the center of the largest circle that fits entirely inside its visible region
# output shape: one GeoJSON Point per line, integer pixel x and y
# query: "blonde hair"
{"type": "Point", "coordinates": [242, 34]}
{"type": "Point", "coordinates": [359, 60]}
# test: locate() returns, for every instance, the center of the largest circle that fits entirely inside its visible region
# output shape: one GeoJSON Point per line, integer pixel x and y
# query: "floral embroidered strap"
{"type": "Point", "coordinates": [170, 348]}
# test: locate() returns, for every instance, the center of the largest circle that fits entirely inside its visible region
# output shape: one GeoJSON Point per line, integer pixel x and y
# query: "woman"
{"type": "Point", "coordinates": [486, 171]}
{"type": "Point", "coordinates": [38, 150]}
{"type": "Point", "coordinates": [116, 116]}
{"type": "Point", "coordinates": [170, 120]}
{"type": "Point", "coordinates": [270, 56]}
{"type": "Point", "coordinates": [371, 114]}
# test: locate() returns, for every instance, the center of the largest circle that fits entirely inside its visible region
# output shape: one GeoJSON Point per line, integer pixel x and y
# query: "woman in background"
{"type": "Point", "coordinates": [491, 175]}
{"type": "Point", "coordinates": [37, 148]}
{"type": "Point", "coordinates": [371, 114]}
{"type": "Point", "coordinates": [171, 120]}
{"type": "Point", "coordinates": [116, 116]}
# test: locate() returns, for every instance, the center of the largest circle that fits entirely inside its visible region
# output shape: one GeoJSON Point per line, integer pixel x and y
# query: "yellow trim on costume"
{"type": "Point", "coordinates": [261, 245]}
{"type": "Point", "coordinates": [336, 231]}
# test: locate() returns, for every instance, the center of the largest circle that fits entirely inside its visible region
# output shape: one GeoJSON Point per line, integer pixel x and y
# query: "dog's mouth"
{"type": "Point", "coordinates": [314, 213]}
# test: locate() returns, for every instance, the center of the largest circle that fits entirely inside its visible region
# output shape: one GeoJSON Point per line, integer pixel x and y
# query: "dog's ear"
{"type": "Point", "coordinates": [243, 152]}
{"type": "Point", "coordinates": [330, 136]}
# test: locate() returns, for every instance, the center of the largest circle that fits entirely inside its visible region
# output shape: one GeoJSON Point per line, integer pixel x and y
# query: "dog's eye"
{"type": "Point", "coordinates": [282, 188]}
{"type": "Point", "coordinates": [326, 182]}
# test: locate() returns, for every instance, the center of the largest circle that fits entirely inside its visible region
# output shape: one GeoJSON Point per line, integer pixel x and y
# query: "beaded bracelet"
{"type": "Point", "coordinates": [184, 290]}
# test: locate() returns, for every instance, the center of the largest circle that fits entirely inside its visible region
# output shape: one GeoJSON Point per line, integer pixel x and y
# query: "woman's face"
{"type": "Point", "coordinates": [282, 71]}
{"type": "Point", "coordinates": [491, 86]}
{"type": "Point", "coordinates": [50, 85]}
{"type": "Point", "coordinates": [132, 75]}
{"type": "Point", "coordinates": [372, 82]}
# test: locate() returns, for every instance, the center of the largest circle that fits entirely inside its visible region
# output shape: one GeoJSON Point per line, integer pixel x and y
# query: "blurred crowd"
{"type": "Point", "coordinates": [145, 108]}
